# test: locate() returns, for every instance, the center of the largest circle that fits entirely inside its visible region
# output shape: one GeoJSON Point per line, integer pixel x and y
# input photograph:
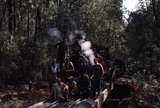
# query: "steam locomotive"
{"type": "Point", "coordinates": [79, 67]}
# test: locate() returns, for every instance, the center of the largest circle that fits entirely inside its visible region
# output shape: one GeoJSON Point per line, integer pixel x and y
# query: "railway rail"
{"type": "Point", "coordinates": [79, 103]}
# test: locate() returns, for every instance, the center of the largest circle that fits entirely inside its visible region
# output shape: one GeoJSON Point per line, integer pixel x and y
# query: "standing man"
{"type": "Point", "coordinates": [55, 68]}
{"type": "Point", "coordinates": [98, 72]}
{"type": "Point", "coordinates": [60, 56]}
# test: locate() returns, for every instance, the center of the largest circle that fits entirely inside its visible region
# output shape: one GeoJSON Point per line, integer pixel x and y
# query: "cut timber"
{"type": "Point", "coordinates": [85, 103]}
{"type": "Point", "coordinates": [101, 98]}
{"type": "Point", "coordinates": [43, 104]}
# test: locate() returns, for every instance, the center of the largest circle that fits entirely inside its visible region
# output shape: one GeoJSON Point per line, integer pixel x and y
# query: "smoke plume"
{"type": "Point", "coordinates": [85, 46]}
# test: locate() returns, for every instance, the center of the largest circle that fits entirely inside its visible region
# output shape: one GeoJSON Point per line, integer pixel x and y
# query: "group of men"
{"type": "Point", "coordinates": [70, 83]}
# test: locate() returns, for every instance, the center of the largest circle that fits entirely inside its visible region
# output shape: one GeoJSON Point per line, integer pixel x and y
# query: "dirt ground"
{"type": "Point", "coordinates": [20, 97]}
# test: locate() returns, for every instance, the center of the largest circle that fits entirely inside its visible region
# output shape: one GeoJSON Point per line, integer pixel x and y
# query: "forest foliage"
{"type": "Point", "coordinates": [26, 51]}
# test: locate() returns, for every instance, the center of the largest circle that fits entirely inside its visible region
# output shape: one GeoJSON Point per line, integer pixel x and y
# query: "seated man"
{"type": "Point", "coordinates": [73, 88]}
{"type": "Point", "coordinates": [65, 90]}
{"type": "Point", "coordinates": [59, 90]}
{"type": "Point", "coordinates": [96, 79]}
{"type": "Point", "coordinates": [68, 69]}
{"type": "Point", "coordinates": [84, 85]}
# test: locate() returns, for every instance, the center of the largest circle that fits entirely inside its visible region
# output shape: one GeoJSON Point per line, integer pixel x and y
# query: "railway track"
{"type": "Point", "coordinates": [79, 103]}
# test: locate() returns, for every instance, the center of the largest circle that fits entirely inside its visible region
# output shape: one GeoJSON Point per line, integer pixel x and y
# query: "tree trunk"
{"type": "Point", "coordinates": [156, 20]}
{"type": "Point", "coordinates": [38, 20]}
{"type": "Point", "coordinates": [14, 17]}
{"type": "Point", "coordinates": [3, 15]}
{"type": "Point", "coordinates": [59, 2]}
{"type": "Point", "coordinates": [10, 16]}
{"type": "Point", "coordinates": [155, 23]}
{"type": "Point", "coordinates": [47, 3]}
{"type": "Point", "coordinates": [28, 20]}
